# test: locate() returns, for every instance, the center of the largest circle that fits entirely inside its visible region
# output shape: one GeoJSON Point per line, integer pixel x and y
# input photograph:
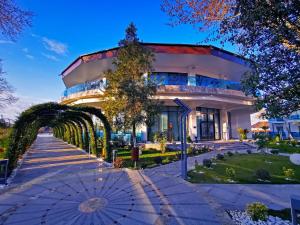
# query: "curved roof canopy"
{"type": "Point", "coordinates": [199, 59]}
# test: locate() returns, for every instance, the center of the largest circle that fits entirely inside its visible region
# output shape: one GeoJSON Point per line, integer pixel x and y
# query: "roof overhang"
{"type": "Point", "coordinates": [197, 59]}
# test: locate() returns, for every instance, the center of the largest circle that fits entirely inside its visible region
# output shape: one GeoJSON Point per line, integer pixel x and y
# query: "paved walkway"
{"type": "Point", "coordinates": [58, 184]}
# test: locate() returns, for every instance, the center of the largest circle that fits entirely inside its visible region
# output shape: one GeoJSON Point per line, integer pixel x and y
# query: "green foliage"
{"type": "Point", "coordinates": [230, 173]}
{"type": "Point", "coordinates": [68, 122]}
{"type": "Point", "coordinates": [207, 163]}
{"type": "Point", "coordinates": [129, 94]}
{"type": "Point", "coordinates": [220, 156]}
{"type": "Point", "coordinates": [288, 173]}
{"type": "Point", "coordinates": [158, 159]}
{"type": "Point", "coordinates": [243, 133]}
{"type": "Point", "coordinates": [262, 141]}
{"type": "Point", "coordinates": [267, 32]}
{"type": "Point", "coordinates": [274, 151]}
{"type": "Point", "coordinates": [257, 211]}
{"type": "Point", "coordinates": [262, 174]}
{"type": "Point", "coordinates": [229, 153]}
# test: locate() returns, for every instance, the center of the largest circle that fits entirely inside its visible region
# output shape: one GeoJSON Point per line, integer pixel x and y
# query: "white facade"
{"type": "Point", "coordinates": [204, 77]}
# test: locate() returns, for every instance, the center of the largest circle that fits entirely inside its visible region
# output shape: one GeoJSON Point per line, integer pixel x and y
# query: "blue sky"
{"type": "Point", "coordinates": [64, 29]}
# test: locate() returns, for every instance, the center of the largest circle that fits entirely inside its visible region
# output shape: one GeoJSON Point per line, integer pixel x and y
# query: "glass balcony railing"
{"type": "Point", "coordinates": [165, 78]}
{"type": "Point", "coordinates": [98, 84]}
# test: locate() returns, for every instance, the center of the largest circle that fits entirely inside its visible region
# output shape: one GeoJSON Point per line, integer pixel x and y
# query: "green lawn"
{"type": "Point", "coordinates": [284, 147]}
{"type": "Point", "coordinates": [245, 166]}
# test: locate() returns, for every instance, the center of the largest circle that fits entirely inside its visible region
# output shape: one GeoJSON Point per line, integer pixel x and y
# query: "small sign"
{"type": "Point", "coordinates": [3, 170]}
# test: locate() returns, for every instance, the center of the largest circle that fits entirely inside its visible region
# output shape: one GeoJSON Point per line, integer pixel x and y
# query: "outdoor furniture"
{"type": "Point", "coordinates": [295, 208]}
{"type": "Point", "coordinates": [3, 171]}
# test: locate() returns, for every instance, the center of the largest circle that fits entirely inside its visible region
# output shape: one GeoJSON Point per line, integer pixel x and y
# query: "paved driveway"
{"type": "Point", "coordinates": [59, 184]}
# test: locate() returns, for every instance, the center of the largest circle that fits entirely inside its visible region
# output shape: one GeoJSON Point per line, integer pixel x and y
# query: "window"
{"type": "Point", "coordinates": [204, 81]}
{"type": "Point", "coordinates": [162, 78]}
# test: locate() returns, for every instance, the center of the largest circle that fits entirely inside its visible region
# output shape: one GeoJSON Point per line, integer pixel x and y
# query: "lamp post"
{"type": "Point", "coordinates": [185, 110]}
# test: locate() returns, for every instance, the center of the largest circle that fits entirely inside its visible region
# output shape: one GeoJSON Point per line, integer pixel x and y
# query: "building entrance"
{"type": "Point", "coordinates": [208, 124]}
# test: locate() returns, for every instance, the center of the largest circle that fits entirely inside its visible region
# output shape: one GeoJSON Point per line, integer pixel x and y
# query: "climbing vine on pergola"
{"type": "Point", "coordinates": [71, 124]}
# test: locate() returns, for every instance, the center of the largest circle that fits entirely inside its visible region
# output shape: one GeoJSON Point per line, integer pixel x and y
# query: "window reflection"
{"type": "Point", "coordinates": [162, 78]}
{"type": "Point", "coordinates": [204, 81]}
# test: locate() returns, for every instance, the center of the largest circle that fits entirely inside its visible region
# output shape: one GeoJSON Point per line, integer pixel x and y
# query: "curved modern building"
{"type": "Point", "coordinates": [205, 77]}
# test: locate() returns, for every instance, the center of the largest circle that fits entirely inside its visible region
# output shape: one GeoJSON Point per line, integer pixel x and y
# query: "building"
{"type": "Point", "coordinates": [288, 127]}
{"type": "Point", "coordinates": [260, 127]}
{"type": "Point", "coordinates": [205, 77]}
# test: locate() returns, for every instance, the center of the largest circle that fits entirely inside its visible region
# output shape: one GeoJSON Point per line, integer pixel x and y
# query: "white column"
{"type": "Point", "coordinates": [224, 124]}
{"type": "Point", "coordinates": [192, 125]}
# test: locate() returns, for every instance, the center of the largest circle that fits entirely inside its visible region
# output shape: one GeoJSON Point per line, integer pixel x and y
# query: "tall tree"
{"type": "Point", "coordinates": [6, 91]}
{"type": "Point", "coordinates": [129, 94]}
{"type": "Point", "coordinates": [266, 31]}
{"type": "Point", "coordinates": [13, 20]}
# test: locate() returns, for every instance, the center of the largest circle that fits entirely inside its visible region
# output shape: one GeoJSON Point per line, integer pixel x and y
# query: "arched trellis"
{"type": "Point", "coordinates": [68, 123]}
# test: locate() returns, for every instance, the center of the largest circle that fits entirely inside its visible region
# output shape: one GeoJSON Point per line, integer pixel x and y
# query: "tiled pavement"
{"type": "Point", "coordinates": [58, 184]}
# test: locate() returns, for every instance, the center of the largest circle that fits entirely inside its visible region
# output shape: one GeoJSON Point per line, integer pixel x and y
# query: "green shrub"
{"type": "Point", "coordinates": [257, 211]}
{"type": "Point", "coordinates": [274, 151]}
{"type": "Point", "coordinates": [207, 163]}
{"type": "Point", "coordinates": [294, 142]}
{"type": "Point", "coordinates": [288, 173]}
{"type": "Point", "coordinates": [262, 174]}
{"type": "Point", "coordinates": [220, 156]}
{"type": "Point", "coordinates": [229, 153]}
{"type": "Point", "coordinates": [166, 160]}
{"type": "Point", "coordinates": [158, 160]}
{"type": "Point", "coordinates": [242, 133]}
{"type": "Point", "coordinates": [189, 150]}
{"type": "Point", "coordinates": [230, 173]}
{"type": "Point", "coordinates": [277, 139]}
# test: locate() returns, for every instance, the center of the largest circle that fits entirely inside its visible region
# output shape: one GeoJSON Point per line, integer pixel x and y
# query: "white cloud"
{"type": "Point", "coordinates": [12, 111]}
{"type": "Point", "coordinates": [51, 57]}
{"type": "Point", "coordinates": [6, 42]}
{"type": "Point", "coordinates": [55, 46]}
{"type": "Point", "coordinates": [25, 50]}
{"type": "Point", "coordinates": [29, 56]}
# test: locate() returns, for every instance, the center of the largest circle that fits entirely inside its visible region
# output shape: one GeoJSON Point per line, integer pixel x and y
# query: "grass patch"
{"type": "Point", "coordinates": [245, 166]}
{"type": "Point", "coordinates": [284, 147]}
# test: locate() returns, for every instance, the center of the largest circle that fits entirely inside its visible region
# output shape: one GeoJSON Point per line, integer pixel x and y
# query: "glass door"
{"type": "Point", "coordinates": [208, 124]}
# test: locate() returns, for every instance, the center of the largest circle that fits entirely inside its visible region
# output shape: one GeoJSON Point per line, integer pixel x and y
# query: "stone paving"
{"type": "Point", "coordinates": [59, 184]}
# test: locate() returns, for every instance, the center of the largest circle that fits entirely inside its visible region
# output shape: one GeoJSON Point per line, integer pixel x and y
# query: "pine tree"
{"type": "Point", "coordinates": [129, 94]}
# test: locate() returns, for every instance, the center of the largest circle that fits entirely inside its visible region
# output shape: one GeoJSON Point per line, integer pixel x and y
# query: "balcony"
{"type": "Point", "coordinates": [94, 85]}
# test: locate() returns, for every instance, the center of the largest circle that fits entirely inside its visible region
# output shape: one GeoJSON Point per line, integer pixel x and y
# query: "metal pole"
{"type": "Point", "coordinates": [184, 148]}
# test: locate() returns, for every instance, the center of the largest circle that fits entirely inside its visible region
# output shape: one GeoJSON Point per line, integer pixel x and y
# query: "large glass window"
{"type": "Point", "coordinates": [167, 121]}
{"type": "Point", "coordinates": [170, 78]}
{"type": "Point", "coordinates": [205, 81]}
